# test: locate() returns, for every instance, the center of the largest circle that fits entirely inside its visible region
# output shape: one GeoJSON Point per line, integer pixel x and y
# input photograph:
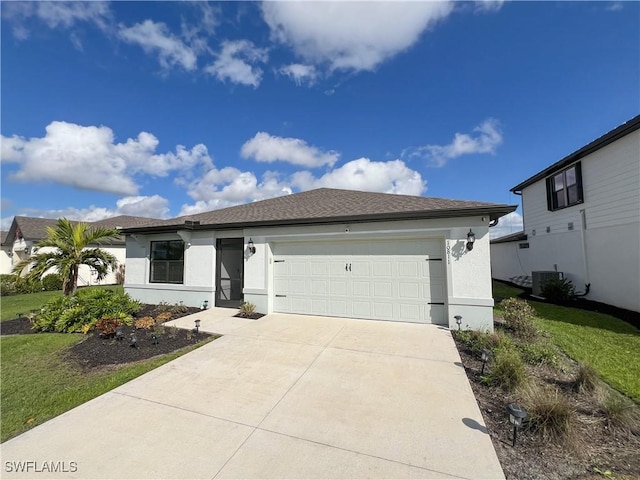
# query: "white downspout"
{"type": "Point", "coordinates": [583, 221]}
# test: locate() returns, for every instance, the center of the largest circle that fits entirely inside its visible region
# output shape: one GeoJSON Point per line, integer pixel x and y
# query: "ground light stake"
{"type": "Point", "coordinates": [517, 415]}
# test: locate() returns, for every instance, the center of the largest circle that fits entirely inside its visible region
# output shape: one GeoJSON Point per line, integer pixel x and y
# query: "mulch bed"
{"type": "Point", "coordinates": [251, 316]}
{"type": "Point", "coordinates": [598, 446]}
{"type": "Point", "coordinates": [16, 326]}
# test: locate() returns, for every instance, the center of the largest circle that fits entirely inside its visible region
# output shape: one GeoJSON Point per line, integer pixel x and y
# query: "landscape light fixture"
{"type": "Point", "coordinates": [119, 332]}
{"type": "Point", "coordinates": [485, 357]}
{"type": "Point", "coordinates": [251, 247]}
{"type": "Point", "coordinates": [458, 321]}
{"type": "Point", "coordinates": [471, 238]}
{"type": "Point", "coordinates": [517, 415]}
{"type": "Point", "coordinates": [133, 340]}
{"type": "Point", "coordinates": [154, 339]}
{"type": "Point", "coordinates": [197, 322]}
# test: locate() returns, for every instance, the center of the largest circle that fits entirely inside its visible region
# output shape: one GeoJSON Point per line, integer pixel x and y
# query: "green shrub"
{"type": "Point", "coordinates": [508, 369]}
{"type": "Point", "coordinates": [550, 414]}
{"type": "Point", "coordinates": [52, 282]}
{"type": "Point", "coordinates": [541, 353]}
{"type": "Point", "coordinates": [477, 341]}
{"type": "Point", "coordinates": [73, 314]}
{"type": "Point", "coordinates": [7, 284]}
{"type": "Point", "coordinates": [25, 285]}
{"type": "Point", "coordinates": [558, 290]}
{"type": "Point", "coordinates": [518, 317]}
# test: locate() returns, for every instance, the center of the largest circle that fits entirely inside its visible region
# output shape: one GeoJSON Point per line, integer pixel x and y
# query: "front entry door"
{"type": "Point", "coordinates": [229, 272]}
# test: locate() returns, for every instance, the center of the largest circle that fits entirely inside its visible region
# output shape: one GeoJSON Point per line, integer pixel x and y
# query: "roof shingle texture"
{"type": "Point", "coordinates": [325, 203]}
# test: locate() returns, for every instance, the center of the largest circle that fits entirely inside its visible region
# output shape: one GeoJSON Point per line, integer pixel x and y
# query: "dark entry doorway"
{"type": "Point", "coordinates": [229, 272]}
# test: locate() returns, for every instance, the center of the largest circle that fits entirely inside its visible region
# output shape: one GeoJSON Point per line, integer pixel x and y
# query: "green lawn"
{"type": "Point", "coordinates": [610, 345]}
{"type": "Point", "coordinates": [37, 384]}
{"type": "Point", "coordinates": [12, 305]}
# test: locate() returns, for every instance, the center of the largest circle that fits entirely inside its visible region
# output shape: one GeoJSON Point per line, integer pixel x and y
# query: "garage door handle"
{"type": "Point", "coordinates": [347, 267]}
{"type": "Point", "coordinates": [280, 296]}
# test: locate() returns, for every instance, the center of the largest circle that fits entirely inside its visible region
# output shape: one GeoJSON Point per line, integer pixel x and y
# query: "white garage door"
{"type": "Point", "coordinates": [398, 280]}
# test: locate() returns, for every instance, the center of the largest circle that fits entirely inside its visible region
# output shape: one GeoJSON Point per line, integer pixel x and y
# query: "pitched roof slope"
{"type": "Point", "coordinates": [330, 205]}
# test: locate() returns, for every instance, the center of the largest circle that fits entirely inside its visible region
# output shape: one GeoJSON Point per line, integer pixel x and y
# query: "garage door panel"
{"type": "Point", "coordinates": [386, 280]}
{"type": "Point", "coordinates": [409, 290]}
{"type": "Point", "coordinates": [361, 289]}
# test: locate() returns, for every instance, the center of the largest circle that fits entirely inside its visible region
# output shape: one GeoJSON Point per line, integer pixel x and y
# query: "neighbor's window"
{"type": "Point", "coordinates": [167, 261]}
{"type": "Point", "coordinates": [564, 189]}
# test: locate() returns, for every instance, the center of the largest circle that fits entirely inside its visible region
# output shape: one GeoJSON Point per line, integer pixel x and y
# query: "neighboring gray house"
{"type": "Point", "coordinates": [325, 252]}
{"type": "Point", "coordinates": [25, 232]}
{"type": "Point", "coordinates": [582, 218]}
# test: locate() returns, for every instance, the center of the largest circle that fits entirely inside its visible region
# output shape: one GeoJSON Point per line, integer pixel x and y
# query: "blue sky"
{"type": "Point", "coordinates": [167, 108]}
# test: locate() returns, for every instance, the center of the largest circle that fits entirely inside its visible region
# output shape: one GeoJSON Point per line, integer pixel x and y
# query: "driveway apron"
{"type": "Point", "coordinates": [286, 396]}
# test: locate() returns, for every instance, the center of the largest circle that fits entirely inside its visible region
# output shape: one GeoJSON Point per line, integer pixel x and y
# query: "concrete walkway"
{"type": "Point", "coordinates": [285, 396]}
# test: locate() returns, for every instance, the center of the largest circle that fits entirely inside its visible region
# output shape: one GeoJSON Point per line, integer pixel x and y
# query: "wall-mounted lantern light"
{"type": "Point", "coordinates": [458, 321]}
{"type": "Point", "coordinates": [251, 247]}
{"type": "Point", "coordinates": [471, 238]}
{"type": "Point", "coordinates": [517, 415]}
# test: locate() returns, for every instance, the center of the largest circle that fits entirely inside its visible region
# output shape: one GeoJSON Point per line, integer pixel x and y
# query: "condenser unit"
{"type": "Point", "coordinates": [540, 277]}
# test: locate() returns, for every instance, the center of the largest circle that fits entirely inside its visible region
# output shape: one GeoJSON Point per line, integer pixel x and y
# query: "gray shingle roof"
{"type": "Point", "coordinates": [35, 229]}
{"type": "Point", "coordinates": [327, 205]}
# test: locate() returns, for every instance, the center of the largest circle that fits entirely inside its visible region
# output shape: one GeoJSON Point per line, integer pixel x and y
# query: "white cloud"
{"type": "Point", "coordinates": [351, 35]}
{"type": "Point", "coordinates": [300, 73]}
{"type": "Point", "coordinates": [363, 174]}
{"type": "Point", "coordinates": [510, 223]}
{"type": "Point", "coordinates": [88, 158]}
{"type": "Point", "coordinates": [487, 139]}
{"type": "Point", "coordinates": [230, 186]}
{"type": "Point", "coordinates": [267, 148]}
{"type": "Point", "coordinates": [488, 5]}
{"type": "Point", "coordinates": [155, 38]}
{"type": "Point", "coordinates": [236, 63]}
{"type": "Point", "coordinates": [55, 14]}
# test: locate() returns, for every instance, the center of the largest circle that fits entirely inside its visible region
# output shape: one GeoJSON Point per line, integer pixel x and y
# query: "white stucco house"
{"type": "Point", "coordinates": [325, 252]}
{"type": "Point", "coordinates": [25, 232]}
{"type": "Point", "coordinates": [582, 218]}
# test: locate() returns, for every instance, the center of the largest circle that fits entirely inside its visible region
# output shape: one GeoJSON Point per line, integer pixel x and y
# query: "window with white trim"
{"type": "Point", "coordinates": [564, 188]}
{"type": "Point", "coordinates": [167, 262]}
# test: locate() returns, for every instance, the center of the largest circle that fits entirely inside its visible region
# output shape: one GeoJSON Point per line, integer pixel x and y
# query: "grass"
{"type": "Point", "coordinates": [12, 305]}
{"type": "Point", "coordinates": [38, 384]}
{"type": "Point", "coordinates": [608, 344]}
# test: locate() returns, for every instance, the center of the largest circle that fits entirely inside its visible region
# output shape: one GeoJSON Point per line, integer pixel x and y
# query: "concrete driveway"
{"type": "Point", "coordinates": [285, 396]}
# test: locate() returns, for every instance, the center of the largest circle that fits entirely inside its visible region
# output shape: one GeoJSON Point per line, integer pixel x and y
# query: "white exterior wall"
{"type": "Point", "coordinates": [199, 270]}
{"type": "Point", "coordinates": [6, 263]}
{"type": "Point", "coordinates": [468, 274]}
{"type": "Point", "coordinates": [509, 260]}
{"type": "Point", "coordinates": [606, 250]}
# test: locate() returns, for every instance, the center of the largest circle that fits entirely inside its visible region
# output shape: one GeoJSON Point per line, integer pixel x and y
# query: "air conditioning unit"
{"type": "Point", "coordinates": [540, 277]}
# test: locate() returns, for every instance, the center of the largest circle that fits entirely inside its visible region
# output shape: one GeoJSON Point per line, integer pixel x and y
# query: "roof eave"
{"type": "Point", "coordinates": [601, 142]}
{"type": "Point", "coordinates": [493, 212]}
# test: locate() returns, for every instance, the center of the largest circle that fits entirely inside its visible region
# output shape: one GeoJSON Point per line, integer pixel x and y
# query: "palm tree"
{"type": "Point", "coordinates": [70, 244]}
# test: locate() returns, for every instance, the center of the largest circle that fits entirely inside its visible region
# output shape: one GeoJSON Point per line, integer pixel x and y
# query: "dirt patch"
{"type": "Point", "coordinates": [250, 316]}
{"type": "Point", "coordinates": [16, 326]}
{"type": "Point", "coordinates": [599, 447]}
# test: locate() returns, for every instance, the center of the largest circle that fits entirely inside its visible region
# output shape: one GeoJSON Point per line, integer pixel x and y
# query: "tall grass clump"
{"type": "Point", "coordinates": [550, 414]}
{"type": "Point", "coordinates": [587, 379]}
{"type": "Point", "coordinates": [508, 369]}
{"type": "Point", "coordinates": [622, 413]}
